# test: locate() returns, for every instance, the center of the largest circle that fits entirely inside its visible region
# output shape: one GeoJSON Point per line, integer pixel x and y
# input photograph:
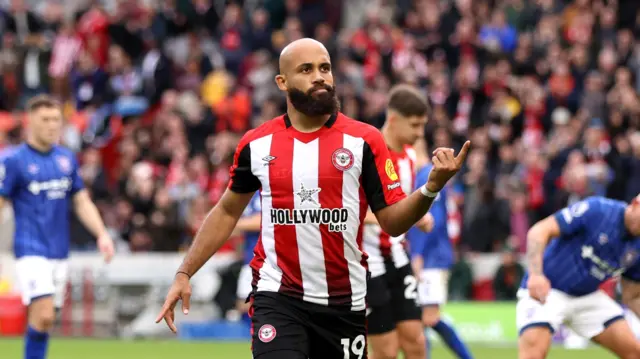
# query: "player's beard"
{"type": "Point", "coordinates": [315, 105]}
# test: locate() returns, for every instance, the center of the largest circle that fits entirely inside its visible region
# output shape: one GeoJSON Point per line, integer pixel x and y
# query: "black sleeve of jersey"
{"type": "Point", "coordinates": [242, 178]}
{"type": "Point", "coordinates": [371, 182]}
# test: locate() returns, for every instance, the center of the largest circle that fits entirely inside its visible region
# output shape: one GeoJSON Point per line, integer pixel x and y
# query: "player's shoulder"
{"type": "Point", "coordinates": [58, 150]}
{"type": "Point", "coordinates": [600, 203]}
{"type": "Point", "coordinates": [267, 128]}
{"type": "Point", "coordinates": [12, 153]}
{"type": "Point", "coordinates": [593, 206]}
{"type": "Point", "coordinates": [355, 128]}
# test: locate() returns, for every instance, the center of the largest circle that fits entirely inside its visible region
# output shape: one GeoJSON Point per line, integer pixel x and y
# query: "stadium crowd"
{"type": "Point", "coordinates": [157, 97]}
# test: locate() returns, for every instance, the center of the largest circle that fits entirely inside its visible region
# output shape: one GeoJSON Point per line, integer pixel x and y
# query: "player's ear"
{"type": "Point", "coordinates": [281, 81]}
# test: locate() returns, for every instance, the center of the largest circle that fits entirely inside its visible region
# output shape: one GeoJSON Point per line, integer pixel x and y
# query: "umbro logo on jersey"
{"type": "Point", "coordinates": [267, 159]}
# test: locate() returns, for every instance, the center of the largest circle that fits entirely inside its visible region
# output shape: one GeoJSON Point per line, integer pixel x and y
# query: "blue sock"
{"type": "Point", "coordinates": [36, 344]}
{"type": "Point", "coordinates": [449, 335]}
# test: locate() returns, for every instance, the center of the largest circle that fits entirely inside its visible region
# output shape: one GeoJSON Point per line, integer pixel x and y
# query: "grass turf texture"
{"type": "Point", "coordinates": [173, 349]}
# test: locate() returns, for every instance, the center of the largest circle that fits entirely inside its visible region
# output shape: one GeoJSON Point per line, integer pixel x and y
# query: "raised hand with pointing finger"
{"type": "Point", "coordinates": [445, 166]}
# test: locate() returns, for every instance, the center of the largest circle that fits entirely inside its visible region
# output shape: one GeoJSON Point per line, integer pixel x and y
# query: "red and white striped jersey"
{"type": "Point", "coordinates": [378, 245]}
{"type": "Point", "coordinates": [315, 190]}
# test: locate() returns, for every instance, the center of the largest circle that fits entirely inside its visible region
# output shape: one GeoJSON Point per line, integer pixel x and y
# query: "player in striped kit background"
{"type": "Point", "coordinates": [393, 315]}
{"type": "Point", "coordinates": [317, 171]}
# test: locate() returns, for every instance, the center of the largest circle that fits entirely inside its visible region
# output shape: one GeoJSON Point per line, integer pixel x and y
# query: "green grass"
{"type": "Point", "coordinates": [173, 349]}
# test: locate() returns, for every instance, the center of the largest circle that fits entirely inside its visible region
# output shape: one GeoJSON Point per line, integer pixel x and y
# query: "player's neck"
{"type": "Point", "coordinates": [304, 123]}
{"type": "Point", "coordinates": [39, 146]}
{"type": "Point", "coordinates": [391, 140]}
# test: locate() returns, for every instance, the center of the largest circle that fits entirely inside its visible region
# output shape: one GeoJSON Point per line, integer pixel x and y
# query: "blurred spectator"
{"type": "Point", "coordinates": [498, 35]}
{"type": "Point", "coordinates": [461, 279]}
{"type": "Point", "coordinates": [508, 276]}
{"type": "Point", "coordinates": [88, 82]}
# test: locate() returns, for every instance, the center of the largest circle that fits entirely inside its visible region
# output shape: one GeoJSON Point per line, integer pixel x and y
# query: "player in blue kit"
{"type": "Point", "coordinates": [41, 181]}
{"type": "Point", "coordinates": [570, 254]}
{"type": "Point", "coordinates": [431, 258]}
{"type": "Point", "coordinates": [249, 225]}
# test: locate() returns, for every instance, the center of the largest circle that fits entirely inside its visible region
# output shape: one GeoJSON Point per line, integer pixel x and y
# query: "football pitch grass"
{"type": "Point", "coordinates": [173, 349]}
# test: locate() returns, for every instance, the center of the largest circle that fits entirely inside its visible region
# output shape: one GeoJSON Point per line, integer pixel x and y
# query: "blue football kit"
{"type": "Point", "coordinates": [40, 186]}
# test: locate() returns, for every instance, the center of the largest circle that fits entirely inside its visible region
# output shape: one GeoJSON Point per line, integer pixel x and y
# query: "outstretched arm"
{"type": "Point", "coordinates": [88, 213]}
{"type": "Point", "coordinates": [215, 230]}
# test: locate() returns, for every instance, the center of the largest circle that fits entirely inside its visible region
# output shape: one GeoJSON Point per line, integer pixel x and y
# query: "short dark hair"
{"type": "Point", "coordinates": [408, 101]}
{"type": "Point", "coordinates": [40, 101]}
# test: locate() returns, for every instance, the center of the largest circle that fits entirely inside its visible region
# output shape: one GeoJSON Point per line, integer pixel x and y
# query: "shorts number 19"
{"type": "Point", "coordinates": [356, 347]}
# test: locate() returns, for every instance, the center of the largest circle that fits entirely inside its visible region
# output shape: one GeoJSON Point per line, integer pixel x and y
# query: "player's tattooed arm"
{"type": "Point", "coordinates": [215, 230]}
{"type": "Point", "coordinates": [537, 239]}
{"type": "Point", "coordinates": [631, 295]}
{"type": "Point", "coordinates": [534, 256]}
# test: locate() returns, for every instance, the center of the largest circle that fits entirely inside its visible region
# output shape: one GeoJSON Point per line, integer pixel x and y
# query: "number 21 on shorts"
{"type": "Point", "coordinates": [357, 347]}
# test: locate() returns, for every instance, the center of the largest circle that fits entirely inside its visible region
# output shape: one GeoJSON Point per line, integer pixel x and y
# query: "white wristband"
{"type": "Point", "coordinates": [425, 192]}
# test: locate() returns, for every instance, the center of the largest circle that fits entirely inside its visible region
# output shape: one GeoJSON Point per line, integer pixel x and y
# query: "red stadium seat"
{"type": "Point", "coordinates": [13, 315]}
{"type": "Point", "coordinates": [483, 290]}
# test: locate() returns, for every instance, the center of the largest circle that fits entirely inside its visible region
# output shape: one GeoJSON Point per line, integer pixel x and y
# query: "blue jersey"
{"type": "Point", "coordinates": [435, 246]}
{"type": "Point", "coordinates": [40, 186]}
{"type": "Point", "coordinates": [593, 246]}
{"type": "Point", "coordinates": [251, 238]}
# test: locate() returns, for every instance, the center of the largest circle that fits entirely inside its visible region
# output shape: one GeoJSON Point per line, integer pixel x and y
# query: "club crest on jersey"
{"type": "Point", "coordinates": [390, 170]}
{"type": "Point", "coordinates": [342, 159]}
{"type": "Point", "coordinates": [267, 333]}
{"type": "Point", "coordinates": [64, 164]}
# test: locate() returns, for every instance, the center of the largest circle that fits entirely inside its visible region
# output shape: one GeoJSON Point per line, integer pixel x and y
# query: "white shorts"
{"type": "Point", "coordinates": [634, 322]}
{"type": "Point", "coordinates": [433, 287]}
{"type": "Point", "coordinates": [244, 282]}
{"type": "Point", "coordinates": [40, 276]}
{"type": "Point", "coordinates": [587, 315]}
